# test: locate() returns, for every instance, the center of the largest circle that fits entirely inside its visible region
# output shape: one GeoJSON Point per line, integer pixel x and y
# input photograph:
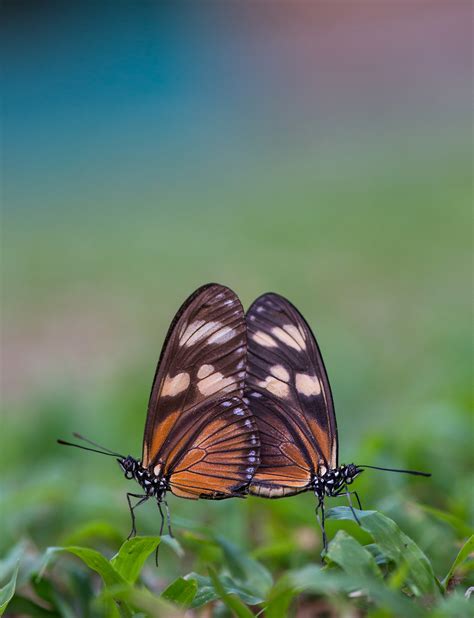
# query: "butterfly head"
{"type": "Point", "coordinates": [349, 472]}
{"type": "Point", "coordinates": [333, 481]}
{"type": "Point", "coordinates": [129, 465]}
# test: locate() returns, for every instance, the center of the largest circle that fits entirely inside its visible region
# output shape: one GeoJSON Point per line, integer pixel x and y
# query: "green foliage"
{"type": "Point", "coordinates": [7, 591]}
{"type": "Point", "coordinates": [388, 576]}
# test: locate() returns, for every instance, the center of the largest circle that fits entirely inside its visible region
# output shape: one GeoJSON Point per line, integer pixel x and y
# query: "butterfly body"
{"type": "Point", "coordinates": [333, 482]}
{"type": "Point", "coordinates": [152, 484]}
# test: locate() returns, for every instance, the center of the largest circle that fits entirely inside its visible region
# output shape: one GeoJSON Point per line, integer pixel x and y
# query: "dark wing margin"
{"type": "Point", "coordinates": [289, 393]}
{"type": "Point", "coordinates": [203, 361]}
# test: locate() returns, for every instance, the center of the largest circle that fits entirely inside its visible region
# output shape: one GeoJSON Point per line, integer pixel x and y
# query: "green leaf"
{"type": "Point", "coordinates": [352, 557]}
{"type": "Point", "coordinates": [397, 546]}
{"type": "Point", "coordinates": [7, 592]}
{"type": "Point", "coordinates": [181, 591]}
{"type": "Point", "coordinates": [466, 550]}
{"type": "Point", "coordinates": [245, 570]}
{"type": "Point", "coordinates": [279, 599]}
{"type": "Point", "coordinates": [235, 605]}
{"type": "Point", "coordinates": [173, 544]}
{"type": "Point", "coordinates": [9, 563]}
{"type": "Point", "coordinates": [207, 593]}
{"type": "Point", "coordinates": [141, 600]}
{"type": "Point", "coordinates": [131, 557]}
{"type": "Point", "coordinates": [92, 558]}
{"type": "Point", "coordinates": [332, 583]}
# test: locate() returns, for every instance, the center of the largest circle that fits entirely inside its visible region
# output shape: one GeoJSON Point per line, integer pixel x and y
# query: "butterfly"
{"type": "Point", "coordinates": [200, 439]}
{"type": "Point", "coordinates": [288, 391]}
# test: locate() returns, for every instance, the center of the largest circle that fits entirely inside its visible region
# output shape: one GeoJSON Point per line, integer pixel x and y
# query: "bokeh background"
{"type": "Point", "coordinates": [319, 150]}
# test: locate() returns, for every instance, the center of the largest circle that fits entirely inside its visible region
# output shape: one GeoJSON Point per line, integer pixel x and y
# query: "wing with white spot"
{"type": "Point", "coordinates": [289, 394]}
{"type": "Point", "coordinates": [202, 362]}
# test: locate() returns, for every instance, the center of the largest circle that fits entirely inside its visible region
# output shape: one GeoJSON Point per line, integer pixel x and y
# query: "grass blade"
{"type": "Point", "coordinates": [466, 550]}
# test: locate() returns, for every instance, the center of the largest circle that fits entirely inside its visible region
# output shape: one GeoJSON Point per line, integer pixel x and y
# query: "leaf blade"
{"type": "Point", "coordinates": [130, 558]}
{"type": "Point", "coordinates": [8, 590]}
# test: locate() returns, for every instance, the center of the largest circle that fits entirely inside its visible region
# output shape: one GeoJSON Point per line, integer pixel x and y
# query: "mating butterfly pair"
{"type": "Point", "coordinates": [240, 404]}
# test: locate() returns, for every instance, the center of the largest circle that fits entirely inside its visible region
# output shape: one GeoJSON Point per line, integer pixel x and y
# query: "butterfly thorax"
{"type": "Point", "coordinates": [152, 484]}
{"type": "Point", "coordinates": [332, 482]}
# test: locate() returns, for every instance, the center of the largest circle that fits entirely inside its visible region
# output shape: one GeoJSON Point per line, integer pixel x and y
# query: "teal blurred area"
{"type": "Point", "coordinates": [322, 151]}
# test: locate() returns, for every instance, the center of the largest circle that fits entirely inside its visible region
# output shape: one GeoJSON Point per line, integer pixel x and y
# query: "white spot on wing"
{"type": "Point", "coordinates": [275, 386]}
{"type": "Point", "coordinates": [222, 335]}
{"type": "Point", "coordinates": [297, 335]}
{"type": "Point", "coordinates": [174, 385]}
{"type": "Point", "coordinates": [215, 383]}
{"type": "Point", "coordinates": [307, 385]}
{"type": "Point", "coordinates": [190, 330]}
{"type": "Point", "coordinates": [280, 372]}
{"type": "Point", "coordinates": [287, 338]}
{"type": "Point", "coordinates": [200, 329]}
{"type": "Point", "coordinates": [264, 339]}
{"type": "Point", "coordinates": [204, 371]}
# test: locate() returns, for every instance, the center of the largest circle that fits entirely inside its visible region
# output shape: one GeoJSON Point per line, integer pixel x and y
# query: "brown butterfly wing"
{"type": "Point", "coordinates": [290, 396]}
{"type": "Point", "coordinates": [219, 453]}
{"type": "Point", "coordinates": [202, 363]}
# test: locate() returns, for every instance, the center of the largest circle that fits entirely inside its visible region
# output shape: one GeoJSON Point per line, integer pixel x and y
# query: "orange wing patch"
{"type": "Point", "coordinates": [223, 455]}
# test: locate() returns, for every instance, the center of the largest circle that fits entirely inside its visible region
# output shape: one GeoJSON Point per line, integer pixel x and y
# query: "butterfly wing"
{"type": "Point", "coordinates": [290, 396]}
{"type": "Point", "coordinates": [220, 455]}
{"type": "Point", "coordinates": [202, 363]}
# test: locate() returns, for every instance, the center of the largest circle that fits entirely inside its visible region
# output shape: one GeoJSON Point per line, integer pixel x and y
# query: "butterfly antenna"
{"type": "Point", "coordinates": [103, 448]}
{"type": "Point", "coordinates": [415, 472]}
{"type": "Point", "coordinates": [86, 448]}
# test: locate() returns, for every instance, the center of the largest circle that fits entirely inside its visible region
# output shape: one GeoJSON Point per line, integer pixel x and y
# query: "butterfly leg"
{"type": "Point", "coordinates": [348, 495]}
{"type": "Point", "coordinates": [158, 502]}
{"type": "Point", "coordinates": [162, 517]}
{"type": "Point", "coordinates": [358, 499]}
{"type": "Point", "coordinates": [143, 498]}
{"type": "Point", "coordinates": [322, 522]}
{"type": "Point", "coordinates": [168, 519]}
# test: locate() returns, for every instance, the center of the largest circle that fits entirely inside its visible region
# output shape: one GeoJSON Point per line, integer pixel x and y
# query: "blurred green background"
{"type": "Point", "coordinates": [318, 150]}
